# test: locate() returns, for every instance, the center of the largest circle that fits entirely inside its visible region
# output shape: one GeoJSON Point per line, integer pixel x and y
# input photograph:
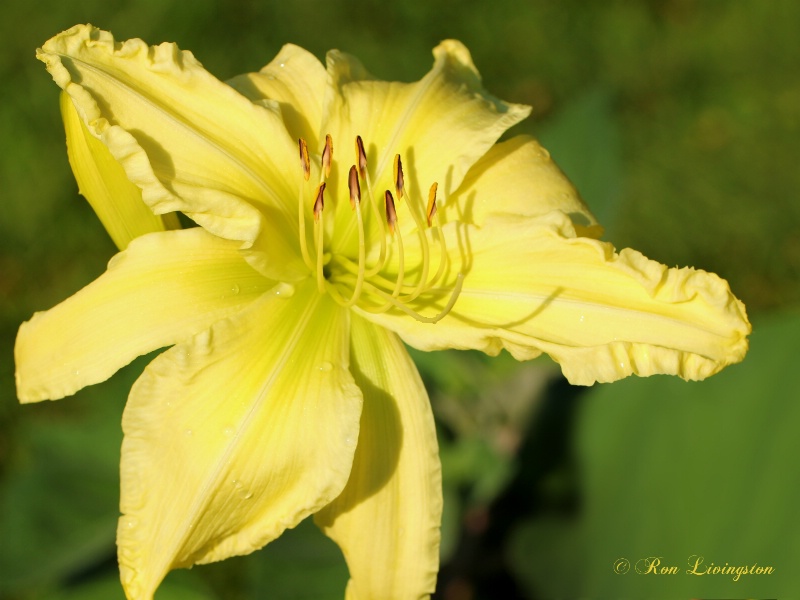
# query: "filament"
{"type": "Point", "coordinates": [394, 302]}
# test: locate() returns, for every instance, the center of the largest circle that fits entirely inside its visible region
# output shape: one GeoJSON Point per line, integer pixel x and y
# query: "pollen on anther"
{"type": "Point", "coordinates": [432, 202]}
{"type": "Point", "coordinates": [361, 157]}
{"type": "Point", "coordinates": [304, 161]}
{"type": "Point", "coordinates": [355, 187]}
{"type": "Point", "coordinates": [391, 213]}
{"type": "Point", "coordinates": [319, 202]}
{"type": "Point", "coordinates": [327, 155]}
{"type": "Point", "coordinates": [399, 180]}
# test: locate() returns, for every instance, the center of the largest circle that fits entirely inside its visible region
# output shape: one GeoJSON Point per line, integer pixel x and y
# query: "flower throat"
{"type": "Point", "coordinates": [370, 290]}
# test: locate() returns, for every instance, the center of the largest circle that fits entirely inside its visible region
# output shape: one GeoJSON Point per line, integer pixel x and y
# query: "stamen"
{"type": "Point", "coordinates": [361, 161]}
{"type": "Point", "coordinates": [355, 200]}
{"type": "Point", "coordinates": [391, 213]}
{"type": "Point", "coordinates": [319, 203]}
{"type": "Point", "coordinates": [304, 161]}
{"type": "Point", "coordinates": [327, 155]}
{"type": "Point", "coordinates": [361, 157]}
{"type": "Point", "coordinates": [319, 223]}
{"type": "Point", "coordinates": [301, 219]}
{"type": "Point", "coordinates": [391, 221]}
{"type": "Point", "coordinates": [355, 187]}
{"type": "Point", "coordinates": [399, 182]}
{"type": "Point", "coordinates": [345, 272]}
{"type": "Point", "coordinates": [423, 238]}
{"type": "Point", "coordinates": [437, 231]}
{"type": "Point", "coordinates": [432, 202]}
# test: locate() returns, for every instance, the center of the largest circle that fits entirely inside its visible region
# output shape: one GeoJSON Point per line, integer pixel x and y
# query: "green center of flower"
{"type": "Point", "coordinates": [355, 280]}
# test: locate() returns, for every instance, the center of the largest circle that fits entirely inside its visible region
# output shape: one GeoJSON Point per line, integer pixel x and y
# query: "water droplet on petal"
{"type": "Point", "coordinates": [130, 522]}
{"type": "Point", "coordinates": [188, 432]}
{"type": "Point", "coordinates": [545, 153]}
{"type": "Point", "coordinates": [326, 366]}
{"type": "Point", "coordinates": [235, 289]}
{"type": "Point", "coordinates": [228, 431]}
{"type": "Point", "coordinates": [284, 290]}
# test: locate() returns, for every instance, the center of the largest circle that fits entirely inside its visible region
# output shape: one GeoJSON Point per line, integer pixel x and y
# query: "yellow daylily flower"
{"type": "Point", "coordinates": [287, 390]}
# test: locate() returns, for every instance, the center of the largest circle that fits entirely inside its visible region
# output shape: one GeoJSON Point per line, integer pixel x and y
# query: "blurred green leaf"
{"type": "Point", "coordinates": [300, 565]}
{"type": "Point", "coordinates": [59, 501]}
{"type": "Point", "coordinates": [584, 140]}
{"type": "Point", "coordinates": [185, 586]}
{"type": "Point", "coordinates": [674, 469]}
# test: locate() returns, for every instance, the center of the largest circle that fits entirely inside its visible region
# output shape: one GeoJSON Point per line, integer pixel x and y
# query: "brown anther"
{"type": "Point", "coordinates": [327, 155]}
{"type": "Point", "coordinates": [432, 202]}
{"type": "Point", "coordinates": [304, 161]}
{"type": "Point", "coordinates": [391, 213]}
{"type": "Point", "coordinates": [361, 157]}
{"type": "Point", "coordinates": [399, 181]}
{"type": "Point", "coordinates": [319, 202]}
{"type": "Point", "coordinates": [355, 187]}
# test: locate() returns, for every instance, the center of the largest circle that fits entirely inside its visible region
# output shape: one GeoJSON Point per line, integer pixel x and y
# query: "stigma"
{"type": "Point", "coordinates": [372, 275]}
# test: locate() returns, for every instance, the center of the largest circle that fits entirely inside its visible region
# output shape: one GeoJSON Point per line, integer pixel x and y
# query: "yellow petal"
{"type": "Point", "coordinates": [102, 181]}
{"type": "Point", "coordinates": [517, 177]}
{"type": "Point", "coordinates": [440, 125]}
{"type": "Point", "coordinates": [387, 519]}
{"type": "Point", "coordinates": [236, 435]}
{"type": "Point", "coordinates": [189, 141]}
{"type": "Point", "coordinates": [163, 288]}
{"type": "Point", "coordinates": [296, 80]}
{"type": "Point", "coordinates": [531, 286]}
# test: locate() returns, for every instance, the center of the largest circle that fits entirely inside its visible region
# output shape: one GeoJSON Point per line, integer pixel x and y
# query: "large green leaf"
{"type": "Point", "coordinates": [674, 471]}
{"type": "Point", "coordinates": [585, 142]}
{"type": "Point", "coordinates": [60, 495]}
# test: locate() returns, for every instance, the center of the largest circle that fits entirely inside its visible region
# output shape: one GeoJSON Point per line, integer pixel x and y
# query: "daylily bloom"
{"type": "Point", "coordinates": [338, 216]}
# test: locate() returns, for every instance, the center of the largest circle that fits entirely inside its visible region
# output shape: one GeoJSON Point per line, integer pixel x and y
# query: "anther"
{"type": "Point", "coordinates": [355, 187]}
{"type": "Point", "coordinates": [432, 202]}
{"type": "Point", "coordinates": [327, 155]}
{"type": "Point", "coordinates": [361, 157]}
{"type": "Point", "coordinates": [319, 202]}
{"type": "Point", "coordinates": [304, 161]}
{"type": "Point", "coordinates": [391, 213]}
{"type": "Point", "coordinates": [399, 182]}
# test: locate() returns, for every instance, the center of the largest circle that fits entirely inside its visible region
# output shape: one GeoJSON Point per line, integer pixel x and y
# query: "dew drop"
{"type": "Point", "coordinates": [130, 522]}
{"type": "Point", "coordinates": [235, 289]}
{"type": "Point", "coordinates": [326, 366]}
{"type": "Point", "coordinates": [188, 432]}
{"type": "Point", "coordinates": [284, 290]}
{"type": "Point", "coordinates": [228, 431]}
{"type": "Point", "coordinates": [348, 441]}
{"type": "Point", "coordinates": [545, 153]}
{"type": "Point", "coordinates": [582, 318]}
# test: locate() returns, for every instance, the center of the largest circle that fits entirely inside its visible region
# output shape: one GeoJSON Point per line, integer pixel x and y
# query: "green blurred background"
{"type": "Point", "coordinates": [677, 119]}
